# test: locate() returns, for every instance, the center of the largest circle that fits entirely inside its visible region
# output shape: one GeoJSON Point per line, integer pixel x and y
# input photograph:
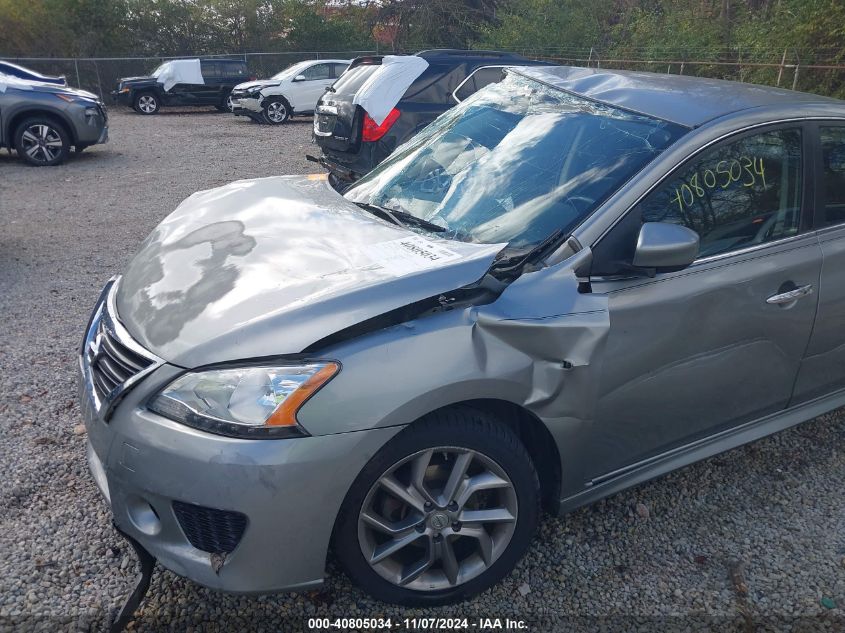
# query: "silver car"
{"type": "Point", "coordinates": [572, 282]}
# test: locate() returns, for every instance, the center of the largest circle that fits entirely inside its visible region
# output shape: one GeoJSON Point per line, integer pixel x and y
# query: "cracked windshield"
{"type": "Point", "coordinates": [514, 163]}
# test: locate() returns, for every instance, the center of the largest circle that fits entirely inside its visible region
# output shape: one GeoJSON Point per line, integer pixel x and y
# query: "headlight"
{"type": "Point", "coordinates": [248, 402]}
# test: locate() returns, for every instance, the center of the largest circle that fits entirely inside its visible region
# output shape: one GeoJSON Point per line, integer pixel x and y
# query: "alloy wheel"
{"type": "Point", "coordinates": [147, 104]}
{"type": "Point", "coordinates": [41, 142]}
{"type": "Point", "coordinates": [229, 105]}
{"type": "Point", "coordinates": [437, 519]}
{"type": "Point", "coordinates": [277, 112]}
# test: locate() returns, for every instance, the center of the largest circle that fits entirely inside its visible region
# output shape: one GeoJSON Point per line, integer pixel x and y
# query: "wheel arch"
{"type": "Point", "coordinates": [18, 117]}
{"type": "Point", "coordinates": [531, 431]}
{"type": "Point", "coordinates": [536, 437]}
{"type": "Point", "coordinates": [155, 90]}
{"type": "Point", "coordinates": [281, 96]}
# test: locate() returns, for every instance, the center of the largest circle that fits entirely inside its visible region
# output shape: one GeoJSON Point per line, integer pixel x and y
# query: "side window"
{"type": "Point", "coordinates": [318, 71]}
{"type": "Point", "coordinates": [486, 76]}
{"type": "Point", "coordinates": [210, 70]}
{"type": "Point", "coordinates": [833, 174]}
{"type": "Point", "coordinates": [480, 78]}
{"type": "Point", "coordinates": [466, 89]}
{"type": "Point", "coordinates": [736, 195]}
{"type": "Point", "coordinates": [338, 69]}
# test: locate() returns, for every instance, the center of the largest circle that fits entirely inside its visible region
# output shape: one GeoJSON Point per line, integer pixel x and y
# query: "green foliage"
{"type": "Point", "coordinates": [657, 34]}
{"type": "Point", "coordinates": [564, 25]}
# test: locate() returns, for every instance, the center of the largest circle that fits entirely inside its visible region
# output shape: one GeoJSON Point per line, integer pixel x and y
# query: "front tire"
{"type": "Point", "coordinates": [146, 103]}
{"type": "Point", "coordinates": [443, 511]}
{"type": "Point", "coordinates": [226, 105]}
{"type": "Point", "coordinates": [42, 141]}
{"type": "Point", "coordinates": [276, 110]}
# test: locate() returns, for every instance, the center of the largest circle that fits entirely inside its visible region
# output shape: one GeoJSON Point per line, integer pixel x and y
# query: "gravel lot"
{"type": "Point", "coordinates": [756, 535]}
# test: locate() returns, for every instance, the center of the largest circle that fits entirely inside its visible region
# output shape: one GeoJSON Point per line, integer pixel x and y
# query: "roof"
{"type": "Point", "coordinates": [689, 101]}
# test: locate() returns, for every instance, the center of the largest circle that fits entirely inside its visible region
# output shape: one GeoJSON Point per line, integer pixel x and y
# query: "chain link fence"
{"type": "Point", "coordinates": [821, 72]}
{"type": "Point", "coordinates": [101, 74]}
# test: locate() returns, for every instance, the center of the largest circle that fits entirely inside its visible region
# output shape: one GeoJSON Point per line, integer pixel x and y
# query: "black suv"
{"type": "Point", "coordinates": [352, 143]}
{"type": "Point", "coordinates": [197, 82]}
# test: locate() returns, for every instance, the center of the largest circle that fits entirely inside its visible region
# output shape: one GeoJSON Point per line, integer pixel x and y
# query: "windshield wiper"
{"type": "Point", "coordinates": [508, 263]}
{"type": "Point", "coordinates": [401, 218]}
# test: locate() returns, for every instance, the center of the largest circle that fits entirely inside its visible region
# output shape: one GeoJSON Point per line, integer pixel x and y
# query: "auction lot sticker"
{"type": "Point", "coordinates": [409, 255]}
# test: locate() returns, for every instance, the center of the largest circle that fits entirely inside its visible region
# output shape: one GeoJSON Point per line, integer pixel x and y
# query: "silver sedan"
{"type": "Point", "coordinates": [571, 282]}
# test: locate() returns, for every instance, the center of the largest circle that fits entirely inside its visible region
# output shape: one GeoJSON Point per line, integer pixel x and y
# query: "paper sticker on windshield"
{"type": "Point", "coordinates": [409, 254]}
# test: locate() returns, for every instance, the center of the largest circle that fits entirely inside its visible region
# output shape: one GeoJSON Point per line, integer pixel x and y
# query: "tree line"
{"type": "Point", "coordinates": [715, 31]}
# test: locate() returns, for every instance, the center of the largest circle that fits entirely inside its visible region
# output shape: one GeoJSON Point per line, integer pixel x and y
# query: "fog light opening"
{"type": "Point", "coordinates": [143, 516]}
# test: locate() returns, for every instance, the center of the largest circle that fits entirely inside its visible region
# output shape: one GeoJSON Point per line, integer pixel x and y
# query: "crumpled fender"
{"type": "Point", "coordinates": [562, 334]}
{"type": "Point", "coordinates": [527, 347]}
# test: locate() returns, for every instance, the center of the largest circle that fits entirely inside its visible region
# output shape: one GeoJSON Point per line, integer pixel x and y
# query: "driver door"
{"type": "Point", "coordinates": [695, 352]}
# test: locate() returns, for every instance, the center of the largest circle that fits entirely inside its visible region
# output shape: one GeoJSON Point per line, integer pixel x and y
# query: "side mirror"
{"type": "Point", "coordinates": [664, 246]}
{"type": "Point", "coordinates": [299, 78]}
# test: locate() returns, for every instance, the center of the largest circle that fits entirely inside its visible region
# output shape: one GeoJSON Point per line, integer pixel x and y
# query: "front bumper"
{"type": "Point", "coordinates": [246, 106]}
{"type": "Point", "coordinates": [90, 123]}
{"type": "Point", "coordinates": [121, 98]}
{"type": "Point", "coordinates": [289, 490]}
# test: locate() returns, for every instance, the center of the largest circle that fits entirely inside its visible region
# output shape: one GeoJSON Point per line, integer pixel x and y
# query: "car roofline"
{"type": "Point", "coordinates": [609, 104]}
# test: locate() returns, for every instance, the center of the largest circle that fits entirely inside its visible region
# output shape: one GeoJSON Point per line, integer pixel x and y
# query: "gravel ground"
{"type": "Point", "coordinates": [753, 536]}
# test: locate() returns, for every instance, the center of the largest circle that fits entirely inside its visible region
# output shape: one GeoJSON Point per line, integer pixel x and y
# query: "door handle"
{"type": "Point", "coordinates": [790, 295]}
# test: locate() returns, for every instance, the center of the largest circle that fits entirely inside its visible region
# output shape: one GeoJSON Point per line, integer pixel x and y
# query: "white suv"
{"type": "Point", "coordinates": [295, 90]}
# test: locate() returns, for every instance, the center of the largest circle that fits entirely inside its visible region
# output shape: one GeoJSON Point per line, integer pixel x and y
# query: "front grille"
{"type": "Point", "coordinates": [209, 529]}
{"type": "Point", "coordinates": [112, 363]}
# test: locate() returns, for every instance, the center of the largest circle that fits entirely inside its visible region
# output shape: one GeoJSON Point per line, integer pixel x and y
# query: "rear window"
{"type": "Point", "coordinates": [354, 78]}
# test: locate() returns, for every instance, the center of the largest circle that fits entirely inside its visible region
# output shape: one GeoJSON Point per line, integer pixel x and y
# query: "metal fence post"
{"type": "Point", "coordinates": [99, 86]}
{"type": "Point", "coordinates": [76, 65]}
{"type": "Point", "coordinates": [782, 63]}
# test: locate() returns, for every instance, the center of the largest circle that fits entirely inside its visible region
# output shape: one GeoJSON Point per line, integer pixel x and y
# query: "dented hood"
{"type": "Point", "coordinates": [258, 83]}
{"type": "Point", "coordinates": [268, 266]}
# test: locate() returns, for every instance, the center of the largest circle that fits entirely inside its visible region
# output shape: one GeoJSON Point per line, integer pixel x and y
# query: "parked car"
{"type": "Point", "coordinates": [42, 121]}
{"type": "Point", "coordinates": [13, 70]}
{"type": "Point", "coordinates": [352, 143]}
{"type": "Point", "coordinates": [183, 82]}
{"type": "Point", "coordinates": [294, 90]}
{"type": "Point", "coordinates": [573, 282]}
